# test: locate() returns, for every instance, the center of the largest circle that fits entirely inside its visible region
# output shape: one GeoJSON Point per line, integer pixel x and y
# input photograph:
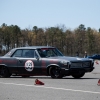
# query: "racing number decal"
{"type": "Point", "coordinates": [29, 65]}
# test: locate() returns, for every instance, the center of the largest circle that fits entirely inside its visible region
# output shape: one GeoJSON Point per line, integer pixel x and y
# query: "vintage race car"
{"type": "Point", "coordinates": [43, 60]}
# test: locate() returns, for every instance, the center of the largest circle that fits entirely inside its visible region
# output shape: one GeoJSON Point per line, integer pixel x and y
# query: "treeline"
{"type": "Point", "coordinates": [67, 41]}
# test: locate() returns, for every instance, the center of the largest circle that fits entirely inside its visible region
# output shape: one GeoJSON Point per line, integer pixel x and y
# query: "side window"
{"type": "Point", "coordinates": [17, 53]}
{"type": "Point", "coordinates": [28, 53]}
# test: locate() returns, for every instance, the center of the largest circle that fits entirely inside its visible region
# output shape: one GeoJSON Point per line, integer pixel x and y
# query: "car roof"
{"type": "Point", "coordinates": [34, 47]}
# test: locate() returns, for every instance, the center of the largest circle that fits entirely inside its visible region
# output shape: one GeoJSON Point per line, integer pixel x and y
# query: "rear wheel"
{"type": "Point", "coordinates": [55, 72]}
{"type": "Point", "coordinates": [4, 72]}
{"type": "Point", "coordinates": [78, 74]}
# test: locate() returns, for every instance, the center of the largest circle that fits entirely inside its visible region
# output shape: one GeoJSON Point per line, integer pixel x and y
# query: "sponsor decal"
{"type": "Point", "coordinates": [29, 65]}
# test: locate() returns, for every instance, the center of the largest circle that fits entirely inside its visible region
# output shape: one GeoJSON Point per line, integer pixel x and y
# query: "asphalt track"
{"type": "Point", "coordinates": [68, 88]}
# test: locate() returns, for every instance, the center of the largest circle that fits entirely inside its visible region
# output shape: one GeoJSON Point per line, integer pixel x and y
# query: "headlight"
{"type": "Point", "coordinates": [64, 62]}
{"type": "Point", "coordinates": [92, 60]}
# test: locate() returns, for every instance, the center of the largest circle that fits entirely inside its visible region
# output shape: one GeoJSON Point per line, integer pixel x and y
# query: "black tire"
{"type": "Point", "coordinates": [25, 76]}
{"type": "Point", "coordinates": [55, 72]}
{"type": "Point", "coordinates": [78, 74]}
{"type": "Point", "coordinates": [4, 72]}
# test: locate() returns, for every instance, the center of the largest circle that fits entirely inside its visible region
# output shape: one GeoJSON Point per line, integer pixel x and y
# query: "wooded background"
{"type": "Point", "coordinates": [67, 41]}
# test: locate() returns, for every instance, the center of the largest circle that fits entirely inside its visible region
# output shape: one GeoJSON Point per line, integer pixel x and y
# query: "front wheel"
{"type": "Point", "coordinates": [78, 74]}
{"type": "Point", "coordinates": [55, 72]}
{"type": "Point", "coordinates": [4, 72]}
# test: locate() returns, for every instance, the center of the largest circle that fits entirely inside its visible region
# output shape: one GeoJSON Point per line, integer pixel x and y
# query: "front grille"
{"type": "Point", "coordinates": [76, 65]}
{"type": "Point", "coordinates": [80, 64]}
{"type": "Point", "coordinates": [86, 64]}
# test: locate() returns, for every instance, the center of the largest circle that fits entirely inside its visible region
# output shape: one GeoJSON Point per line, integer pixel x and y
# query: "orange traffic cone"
{"type": "Point", "coordinates": [96, 62]}
{"type": "Point", "coordinates": [38, 82]}
{"type": "Point", "coordinates": [98, 82]}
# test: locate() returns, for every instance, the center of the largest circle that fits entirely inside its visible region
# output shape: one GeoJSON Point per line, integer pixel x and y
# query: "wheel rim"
{"type": "Point", "coordinates": [55, 72]}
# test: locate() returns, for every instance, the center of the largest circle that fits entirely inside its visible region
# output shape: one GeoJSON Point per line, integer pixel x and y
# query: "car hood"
{"type": "Point", "coordinates": [70, 58]}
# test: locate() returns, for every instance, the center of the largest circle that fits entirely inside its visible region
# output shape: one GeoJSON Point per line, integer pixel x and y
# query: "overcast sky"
{"type": "Point", "coordinates": [50, 13]}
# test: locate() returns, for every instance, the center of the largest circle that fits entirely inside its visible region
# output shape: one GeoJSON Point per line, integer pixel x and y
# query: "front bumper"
{"type": "Point", "coordinates": [74, 70]}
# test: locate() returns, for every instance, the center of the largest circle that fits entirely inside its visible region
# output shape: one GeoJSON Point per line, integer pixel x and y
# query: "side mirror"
{"type": "Point", "coordinates": [37, 57]}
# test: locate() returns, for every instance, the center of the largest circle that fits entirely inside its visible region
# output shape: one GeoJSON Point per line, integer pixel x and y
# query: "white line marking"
{"type": "Point", "coordinates": [55, 88]}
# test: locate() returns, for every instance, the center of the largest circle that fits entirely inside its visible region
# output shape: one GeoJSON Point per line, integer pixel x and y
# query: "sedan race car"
{"type": "Point", "coordinates": [43, 60]}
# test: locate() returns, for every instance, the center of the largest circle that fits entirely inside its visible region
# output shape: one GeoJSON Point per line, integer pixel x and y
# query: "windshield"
{"type": "Point", "coordinates": [49, 52]}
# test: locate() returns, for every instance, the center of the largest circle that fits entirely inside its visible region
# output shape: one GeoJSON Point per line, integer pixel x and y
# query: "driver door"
{"type": "Point", "coordinates": [28, 64]}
